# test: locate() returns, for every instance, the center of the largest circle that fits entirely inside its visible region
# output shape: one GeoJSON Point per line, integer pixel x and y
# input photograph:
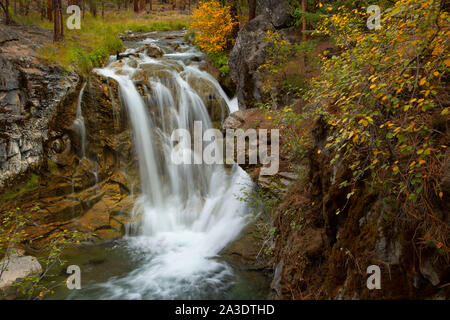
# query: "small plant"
{"type": "Point", "coordinates": [220, 61]}
{"type": "Point", "coordinates": [13, 233]}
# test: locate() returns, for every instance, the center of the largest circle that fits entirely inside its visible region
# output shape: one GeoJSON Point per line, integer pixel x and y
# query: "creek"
{"type": "Point", "coordinates": [185, 215]}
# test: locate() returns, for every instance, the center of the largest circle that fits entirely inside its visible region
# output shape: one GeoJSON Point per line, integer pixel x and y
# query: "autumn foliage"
{"type": "Point", "coordinates": [213, 25]}
{"type": "Point", "coordinates": [383, 101]}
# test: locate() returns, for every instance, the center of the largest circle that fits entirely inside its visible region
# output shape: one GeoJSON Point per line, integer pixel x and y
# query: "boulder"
{"type": "Point", "coordinates": [249, 51]}
{"type": "Point", "coordinates": [277, 11]}
{"type": "Point", "coordinates": [248, 54]}
{"type": "Point", "coordinates": [18, 267]}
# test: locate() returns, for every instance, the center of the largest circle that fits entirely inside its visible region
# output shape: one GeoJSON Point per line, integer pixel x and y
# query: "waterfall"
{"type": "Point", "coordinates": [79, 123]}
{"type": "Point", "coordinates": [185, 214]}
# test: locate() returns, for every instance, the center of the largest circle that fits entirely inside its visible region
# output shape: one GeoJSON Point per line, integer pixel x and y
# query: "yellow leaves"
{"type": "Point", "coordinates": [441, 194]}
{"type": "Point", "coordinates": [436, 73]}
{"type": "Point", "coordinates": [447, 62]}
{"type": "Point", "coordinates": [215, 26]}
{"type": "Point", "coordinates": [423, 81]}
{"type": "Point", "coordinates": [365, 121]}
{"type": "Point", "coordinates": [395, 169]}
{"type": "Point", "coordinates": [373, 86]}
{"type": "Point", "coordinates": [319, 151]}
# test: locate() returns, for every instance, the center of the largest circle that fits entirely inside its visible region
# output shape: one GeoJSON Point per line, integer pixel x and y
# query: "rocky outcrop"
{"type": "Point", "coordinates": [247, 56]}
{"type": "Point", "coordinates": [38, 106]}
{"type": "Point", "coordinates": [30, 94]}
{"type": "Point", "coordinates": [325, 240]}
{"type": "Point", "coordinates": [249, 51]}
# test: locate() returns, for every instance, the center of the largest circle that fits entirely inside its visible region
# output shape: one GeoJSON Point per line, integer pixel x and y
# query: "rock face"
{"type": "Point", "coordinates": [17, 267]}
{"type": "Point", "coordinates": [249, 54]}
{"type": "Point", "coordinates": [38, 106]}
{"type": "Point", "coordinates": [30, 94]}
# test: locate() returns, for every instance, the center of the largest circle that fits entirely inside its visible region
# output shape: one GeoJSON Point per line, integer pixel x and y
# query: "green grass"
{"type": "Point", "coordinates": [97, 39]}
{"type": "Point", "coordinates": [220, 61]}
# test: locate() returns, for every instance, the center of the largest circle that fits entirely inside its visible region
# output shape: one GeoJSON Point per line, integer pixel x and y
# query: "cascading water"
{"type": "Point", "coordinates": [186, 214]}
{"type": "Point", "coordinates": [79, 123]}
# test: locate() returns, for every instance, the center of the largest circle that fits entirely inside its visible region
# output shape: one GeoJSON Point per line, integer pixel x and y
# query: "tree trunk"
{"type": "Point", "coordinates": [151, 5]}
{"type": "Point", "coordinates": [234, 16]}
{"type": "Point", "coordinates": [58, 21]}
{"type": "Point", "coordinates": [142, 5]}
{"type": "Point", "coordinates": [303, 20]}
{"type": "Point", "coordinates": [252, 9]}
{"type": "Point", "coordinates": [136, 6]}
{"type": "Point", "coordinates": [61, 21]}
{"type": "Point", "coordinates": [5, 8]}
{"type": "Point", "coordinates": [49, 10]}
{"type": "Point", "coordinates": [55, 21]}
{"type": "Point", "coordinates": [93, 7]}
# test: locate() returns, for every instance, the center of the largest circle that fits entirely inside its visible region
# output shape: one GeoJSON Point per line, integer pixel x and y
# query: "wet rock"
{"type": "Point", "coordinates": [153, 51]}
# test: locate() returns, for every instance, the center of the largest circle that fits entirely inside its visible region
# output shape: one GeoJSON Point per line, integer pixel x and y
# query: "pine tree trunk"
{"type": "Point", "coordinates": [136, 6]}
{"type": "Point", "coordinates": [252, 9]}
{"type": "Point", "coordinates": [49, 10]}
{"type": "Point", "coordinates": [55, 21]}
{"type": "Point", "coordinates": [5, 8]}
{"type": "Point", "coordinates": [93, 7]}
{"type": "Point", "coordinates": [234, 16]}
{"type": "Point", "coordinates": [303, 20]}
{"type": "Point", "coordinates": [61, 21]}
